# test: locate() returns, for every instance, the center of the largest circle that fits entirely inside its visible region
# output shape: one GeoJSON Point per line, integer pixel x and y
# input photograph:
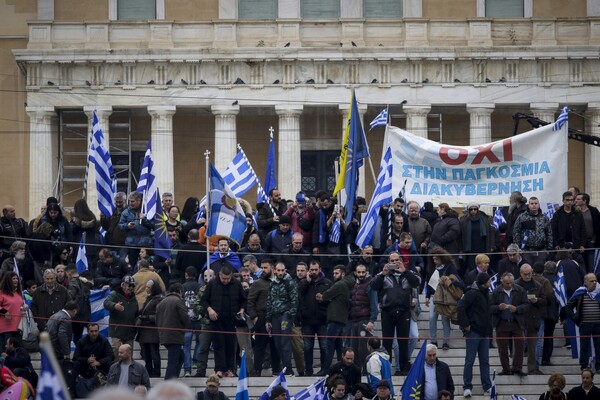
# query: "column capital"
{"type": "Point", "coordinates": [40, 111]}
{"type": "Point", "coordinates": [481, 108]}
{"type": "Point", "coordinates": [101, 111]}
{"type": "Point", "coordinates": [544, 106]}
{"type": "Point", "coordinates": [289, 109]}
{"type": "Point", "coordinates": [416, 108]}
{"type": "Point", "coordinates": [159, 111]}
{"type": "Point", "coordinates": [362, 108]}
{"type": "Point", "coordinates": [225, 109]}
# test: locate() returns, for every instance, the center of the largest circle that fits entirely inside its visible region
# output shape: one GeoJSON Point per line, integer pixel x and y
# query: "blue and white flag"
{"type": "Point", "coordinates": [271, 175]}
{"type": "Point", "coordinates": [498, 218]}
{"type": "Point", "coordinates": [242, 386]}
{"type": "Point", "coordinates": [596, 266]}
{"type": "Point", "coordinates": [381, 195]}
{"type": "Point", "coordinates": [525, 238]}
{"type": "Point", "coordinates": [51, 384]}
{"type": "Point", "coordinates": [493, 392]}
{"type": "Point", "coordinates": [99, 313]}
{"type": "Point", "coordinates": [227, 218]}
{"type": "Point", "coordinates": [548, 209]}
{"type": "Point", "coordinates": [147, 184]}
{"type": "Point", "coordinates": [239, 175]}
{"type": "Point", "coordinates": [279, 380]}
{"type": "Point", "coordinates": [100, 156]}
{"type": "Point", "coordinates": [517, 397]}
{"type": "Point", "coordinates": [402, 195]}
{"type": "Point", "coordinates": [162, 242]}
{"type": "Point", "coordinates": [336, 231]}
{"type": "Point", "coordinates": [82, 261]}
{"type": "Point", "coordinates": [16, 268]}
{"type": "Point", "coordinates": [493, 282]}
{"type": "Point", "coordinates": [560, 288]}
{"type": "Point", "coordinates": [316, 391]}
{"type": "Point", "coordinates": [380, 120]}
{"type": "Point", "coordinates": [562, 119]}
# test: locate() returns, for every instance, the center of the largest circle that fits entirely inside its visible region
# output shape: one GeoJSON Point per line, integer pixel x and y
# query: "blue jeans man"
{"type": "Point", "coordinates": [334, 343]}
{"type": "Point", "coordinates": [477, 345]}
{"type": "Point", "coordinates": [308, 333]}
{"type": "Point", "coordinates": [191, 336]}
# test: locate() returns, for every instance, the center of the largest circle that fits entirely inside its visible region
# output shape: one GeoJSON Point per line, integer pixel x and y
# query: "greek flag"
{"type": "Point", "coordinates": [336, 231]}
{"type": "Point", "coordinates": [242, 386]}
{"type": "Point", "coordinates": [596, 262]}
{"type": "Point", "coordinates": [517, 397]}
{"type": "Point", "coordinates": [498, 218]}
{"type": "Point", "coordinates": [562, 119]}
{"type": "Point", "coordinates": [147, 184]}
{"type": "Point", "coordinates": [279, 380]}
{"type": "Point", "coordinates": [316, 391]}
{"type": "Point", "coordinates": [493, 392]}
{"type": "Point", "coordinates": [82, 261]}
{"type": "Point", "coordinates": [99, 313]}
{"type": "Point", "coordinates": [227, 217]}
{"type": "Point", "coordinates": [100, 156]}
{"type": "Point", "coordinates": [380, 120]}
{"type": "Point", "coordinates": [402, 195]}
{"type": "Point", "coordinates": [51, 384]}
{"type": "Point", "coordinates": [271, 177]}
{"type": "Point", "coordinates": [493, 282]}
{"type": "Point", "coordinates": [560, 289]}
{"type": "Point", "coordinates": [550, 209]}
{"type": "Point", "coordinates": [381, 195]}
{"type": "Point", "coordinates": [239, 175]}
{"type": "Point", "coordinates": [525, 238]}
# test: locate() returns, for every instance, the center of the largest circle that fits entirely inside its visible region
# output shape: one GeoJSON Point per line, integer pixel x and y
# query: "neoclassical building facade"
{"type": "Point", "coordinates": [196, 75]}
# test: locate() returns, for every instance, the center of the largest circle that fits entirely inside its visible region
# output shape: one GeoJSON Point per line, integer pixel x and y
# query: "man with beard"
{"type": "Point", "coordinates": [257, 312]}
{"type": "Point", "coordinates": [19, 259]}
{"type": "Point", "coordinates": [278, 240]}
{"type": "Point", "coordinates": [109, 271]}
{"type": "Point", "coordinates": [363, 312]}
{"type": "Point", "coordinates": [296, 253]}
{"type": "Point", "coordinates": [11, 229]}
{"type": "Point", "coordinates": [418, 227]}
{"type": "Point", "coordinates": [313, 313]}
{"type": "Point", "coordinates": [365, 258]}
{"type": "Point", "coordinates": [268, 216]}
{"type": "Point", "coordinates": [282, 305]}
{"type": "Point", "coordinates": [123, 309]}
{"type": "Point", "coordinates": [92, 353]}
{"type": "Point", "coordinates": [338, 299]}
{"type": "Point", "coordinates": [323, 238]}
{"type": "Point", "coordinates": [223, 257]}
{"type": "Point", "coordinates": [253, 248]}
{"type": "Point", "coordinates": [591, 221]}
{"type": "Point", "coordinates": [48, 299]}
{"type": "Point", "coordinates": [518, 205]}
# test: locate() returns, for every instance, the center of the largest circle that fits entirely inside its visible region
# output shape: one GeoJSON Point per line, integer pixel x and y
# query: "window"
{"type": "Point", "coordinates": [382, 8]}
{"type": "Point", "coordinates": [320, 9]}
{"type": "Point", "coordinates": [257, 9]}
{"type": "Point", "coordinates": [504, 8]}
{"type": "Point", "coordinates": [318, 170]}
{"type": "Point", "coordinates": [136, 10]}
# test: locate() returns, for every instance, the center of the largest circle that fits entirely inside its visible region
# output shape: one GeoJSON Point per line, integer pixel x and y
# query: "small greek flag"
{"type": "Point", "coordinates": [380, 120]}
{"type": "Point", "coordinates": [498, 218]}
{"type": "Point", "coordinates": [560, 290]}
{"type": "Point", "coordinates": [242, 386]}
{"type": "Point", "coordinates": [517, 397]}
{"type": "Point", "coordinates": [336, 231]}
{"type": "Point", "coordinates": [525, 238]}
{"type": "Point", "coordinates": [493, 392]}
{"type": "Point", "coordinates": [562, 119]}
{"type": "Point", "coordinates": [493, 284]}
{"type": "Point", "coordinates": [279, 380]}
{"type": "Point", "coordinates": [316, 391]}
{"type": "Point", "coordinates": [82, 261]}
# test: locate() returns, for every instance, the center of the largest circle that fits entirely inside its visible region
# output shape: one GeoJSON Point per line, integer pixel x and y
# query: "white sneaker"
{"type": "Point", "coordinates": [467, 393]}
{"type": "Point", "coordinates": [486, 392]}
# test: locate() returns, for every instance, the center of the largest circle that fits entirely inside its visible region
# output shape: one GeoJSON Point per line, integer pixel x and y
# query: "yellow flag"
{"type": "Point", "coordinates": [341, 181]}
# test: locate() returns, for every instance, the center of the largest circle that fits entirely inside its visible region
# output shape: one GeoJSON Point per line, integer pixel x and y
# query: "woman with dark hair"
{"type": "Point", "coordinates": [11, 301]}
{"type": "Point", "coordinates": [446, 232]}
{"type": "Point", "coordinates": [84, 221]}
{"type": "Point", "coordinates": [173, 224]}
{"type": "Point", "coordinates": [446, 288]}
{"type": "Point", "coordinates": [190, 208]}
{"type": "Point", "coordinates": [147, 331]}
{"type": "Point", "coordinates": [556, 384]}
{"type": "Point", "coordinates": [61, 228]}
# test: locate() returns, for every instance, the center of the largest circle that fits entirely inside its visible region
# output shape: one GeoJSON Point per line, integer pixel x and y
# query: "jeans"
{"type": "Point", "coordinates": [174, 361]}
{"type": "Point", "coordinates": [477, 345]}
{"type": "Point", "coordinates": [414, 337]}
{"type": "Point", "coordinates": [189, 337]}
{"type": "Point", "coordinates": [308, 333]}
{"type": "Point", "coordinates": [433, 317]}
{"type": "Point", "coordinates": [585, 331]}
{"type": "Point", "coordinates": [335, 333]}
{"type": "Point", "coordinates": [282, 330]}
{"type": "Point", "coordinates": [539, 344]}
{"type": "Point", "coordinates": [151, 354]}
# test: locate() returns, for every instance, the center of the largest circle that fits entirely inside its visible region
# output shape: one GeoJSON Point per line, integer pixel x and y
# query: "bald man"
{"type": "Point", "coordinates": [126, 371]}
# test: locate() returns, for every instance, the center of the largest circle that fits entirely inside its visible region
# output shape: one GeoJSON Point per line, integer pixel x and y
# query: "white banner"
{"type": "Point", "coordinates": [534, 163]}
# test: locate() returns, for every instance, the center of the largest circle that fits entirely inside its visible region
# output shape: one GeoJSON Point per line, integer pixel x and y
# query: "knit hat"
{"type": "Point", "coordinates": [284, 219]}
{"type": "Point", "coordinates": [482, 278]}
{"type": "Point", "coordinates": [383, 383]}
{"type": "Point", "coordinates": [472, 205]}
{"type": "Point", "coordinates": [277, 391]}
{"type": "Point", "coordinates": [212, 380]}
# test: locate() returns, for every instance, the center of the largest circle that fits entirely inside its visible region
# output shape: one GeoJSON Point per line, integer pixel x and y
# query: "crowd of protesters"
{"type": "Point", "coordinates": [296, 276]}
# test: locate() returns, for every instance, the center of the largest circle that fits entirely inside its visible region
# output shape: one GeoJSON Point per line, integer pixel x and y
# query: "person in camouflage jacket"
{"type": "Point", "coordinates": [205, 335]}
{"type": "Point", "coordinates": [532, 232]}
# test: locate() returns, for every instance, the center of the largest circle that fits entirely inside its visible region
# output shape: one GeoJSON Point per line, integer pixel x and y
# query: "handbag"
{"type": "Point", "coordinates": [29, 331]}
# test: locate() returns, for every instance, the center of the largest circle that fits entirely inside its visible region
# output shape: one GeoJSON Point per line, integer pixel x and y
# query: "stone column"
{"type": "Point", "coordinates": [225, 135]}
{"type": "Point", "coordinates": [162, 146]}
{"type": "Point", "coordinates": [544, 111]}
{"type": "Point", "coordinates": [416, 118]}
{"type": "Point", "coordinates": [41, 157]}
{"type": "Point", "coordinates": [362, 109]}
{"type": "Point", "coordinates": [103, 112]}
{"type": "Point", "coordinates": [288, 157]}
{"type": "Point", "coordinates": [592, 155]}
{"type": "Point", "coordinates": [481, 123]}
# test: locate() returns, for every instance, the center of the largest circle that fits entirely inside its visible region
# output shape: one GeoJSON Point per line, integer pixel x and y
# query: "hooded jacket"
{"type": "Point", "coordinates": [378, 367]}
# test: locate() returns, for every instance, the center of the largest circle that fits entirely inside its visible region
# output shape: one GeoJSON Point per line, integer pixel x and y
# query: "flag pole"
{"type": "Point", "coordinates": [46, 347]}
{"type": "Point", "coordinates": [207, 206]}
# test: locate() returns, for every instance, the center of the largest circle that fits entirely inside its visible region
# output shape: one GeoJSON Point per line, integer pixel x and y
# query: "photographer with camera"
{"type": "Point", "coordinates": [395, 283]}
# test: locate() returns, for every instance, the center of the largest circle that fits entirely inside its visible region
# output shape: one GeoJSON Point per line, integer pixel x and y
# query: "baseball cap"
{"type": "Point", "coordinates": [128, 279]}
{"type": "Point", "coordinates": [212, 380]}
{"type": "Point", "coordinates": [300, 198]}
{"type": "Point", "coordinates": [383, 383]}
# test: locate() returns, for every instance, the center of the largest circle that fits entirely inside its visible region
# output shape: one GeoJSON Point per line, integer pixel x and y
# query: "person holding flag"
{"type": "Point", "coordinates": [137, 226]}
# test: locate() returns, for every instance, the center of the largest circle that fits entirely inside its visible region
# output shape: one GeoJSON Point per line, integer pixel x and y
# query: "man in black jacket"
{"type": "Point", "coordinates": [191, 254]}
{"type": "Point", "coordinates": [436, 375]}
{"type": "Point", "coordinates": [473, 317]}
{"type": "Point", "coordinates": [346, 369]}
{"type": "Point", "coordinates": [92, 353]}
{"type": "Point", "coordinates": [17, 359]}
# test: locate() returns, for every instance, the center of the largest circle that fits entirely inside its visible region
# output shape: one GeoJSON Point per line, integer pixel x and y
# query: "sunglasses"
{"type": "Point", "coordinates": [64, 253]}
{"type": "Point", "coordinates": [473, 209]}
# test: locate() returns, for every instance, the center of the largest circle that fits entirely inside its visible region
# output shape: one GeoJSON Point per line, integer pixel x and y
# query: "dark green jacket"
{"type": "Point", "coordinates": [338, 299]}
{"type": "Point", "coordinates": [126, 317]}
